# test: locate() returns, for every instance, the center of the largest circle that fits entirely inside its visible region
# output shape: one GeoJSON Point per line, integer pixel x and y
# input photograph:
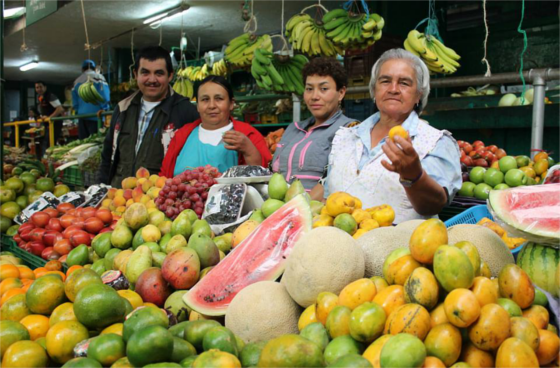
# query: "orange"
{"type": "Point", "coordinates": [61, 339]}
{"type": "Point", "coordinates": [57, 273]}
{"type": "Point", "coordinates": [64, 312]}
{"type": "Point", "coordinates": [39, 272]}
{"type": "Point", "coordinates": [133, 297]}
{"type": "Point", "coordinates": [37, 325]}
{"type": "Point", "coordinates": [72, 269]}
{"type": "Point", "coordinates": [8, 271]}
{"type": "Point", "coordinates": [10, 293]}
{"type": "Point", "coordinates": [9, 283]}
{"type": "Point", "coordinates": [540, 156]}
{"type": "Point", "coordinates": [25, 353]}
{"type": "Point", "coordinates": [116, 328]}
{"type": "Point", "coordinates": [26, 286]}
{"type": "Point", "coordinates": [398, 130]}
{"type": "Point", "coordinates": [54, 265]}
{"type": "Point", "coordinates": [14, 309]}
{"type": "Point", "coordinates": [45, 294]}
{"type": "Point", "coordinates": [26, 273]}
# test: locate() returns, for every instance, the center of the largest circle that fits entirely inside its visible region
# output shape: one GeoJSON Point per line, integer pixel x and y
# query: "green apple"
{"type": "Point", "coordinates": [515, 178]}
{"type": "Point", "coordinates": [467, 189]}
{"type": "Point", "coordinates": [507, 163]}
{"type": "Point", "coordinates": [501, 186]}
{"type": "Point", "coordinates": [477, 175]}
{"type": "Point", "coordinates": [531, 181]}
{"type": "Point", "coordinates": [482, 190]}
{"type": "Point", "coordinates": [493, 177]}
{"type": "Point", "coordinates": [522, 160]}
{"type": "Point", "coordinates": [550, 161]}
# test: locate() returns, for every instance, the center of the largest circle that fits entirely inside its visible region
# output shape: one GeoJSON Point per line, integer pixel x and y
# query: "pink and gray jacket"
{"type": "Point", "coordinates": [303, 153]}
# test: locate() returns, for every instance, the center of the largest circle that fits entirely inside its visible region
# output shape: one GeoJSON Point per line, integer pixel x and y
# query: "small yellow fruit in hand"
{"type": "Point", "coordinates": [361, 215]}
{"type": "Point", "coordinates": [398, 130]}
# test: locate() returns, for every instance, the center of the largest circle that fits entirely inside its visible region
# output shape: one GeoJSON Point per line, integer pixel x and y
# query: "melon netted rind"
{"type": "Point", "coordinates": [263, 311]}
{"type": "Point", "coordinates": [409, 226]}
{"type": "Point", "coordinates": [377, 244]}
{"type": "Point", "coordinates": [491, 247]}
{"type": "Point", "coordinates": [325, 259]}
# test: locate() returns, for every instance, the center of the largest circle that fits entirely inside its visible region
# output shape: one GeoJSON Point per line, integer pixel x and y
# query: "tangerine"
{"type": "Point", "coordinates": [36, 324]}
{"type": "Point", "coordinates": [8, 271]}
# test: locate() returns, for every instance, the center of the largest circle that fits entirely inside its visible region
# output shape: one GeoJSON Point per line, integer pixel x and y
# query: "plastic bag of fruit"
{"type": "Point", "coordinates": [553, 175]}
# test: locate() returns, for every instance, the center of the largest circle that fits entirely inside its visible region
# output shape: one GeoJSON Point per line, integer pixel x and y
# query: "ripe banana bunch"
{"type": "Point", "coordinates": [309, 36]}
{"type": "Point", "coordinates": [194, 73]}
{"type": "Point", "coordinates": [219, 68]}
{"type": "Point", "coordinates": [352, 31]}
{"type": "Point", "coordinates": [239, 51]}
{"type": "Point", "coordinates": [437, 57]}
{"type": "Point", "coordinates": [88, 93]}
{"type": "Point", "coordinates": [282, 74]}
{"type": "Point", "coordinates": [183, 85]}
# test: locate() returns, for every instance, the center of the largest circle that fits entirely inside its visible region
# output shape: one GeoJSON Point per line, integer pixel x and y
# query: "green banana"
{"type": "Point", "coordinates": [335, 13]}
{"type": "Point", "coordinates": [273, 73]}
{"type": "Point", "coordinates": [335, 23]}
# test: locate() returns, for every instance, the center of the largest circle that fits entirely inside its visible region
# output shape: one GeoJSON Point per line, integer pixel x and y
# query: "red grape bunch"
{"type": "Point", "coordinates": [187, 190]}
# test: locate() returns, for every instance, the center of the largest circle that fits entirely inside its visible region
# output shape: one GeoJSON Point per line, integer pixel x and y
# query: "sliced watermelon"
{"type": "Point", "coordinates": [534, 210]}
{"type": "Point", "coordinates": [541, 264]}
{"type": "Point", "coordinates": [260, 257]}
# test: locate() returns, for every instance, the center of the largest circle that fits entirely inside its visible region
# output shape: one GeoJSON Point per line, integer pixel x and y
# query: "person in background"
{"type": "Point", "coordinates": [418, 175]}
{"type": "Point", "coordinates": [143, 124]}
{"type": "Point", "coordinates": [49, 107]}
{"type": "Point", "coordinates": [88, 126]}
{"type": "Point", "coordinates": [216, 138]}
{"type": "Point", "coordinates": [303, 151]}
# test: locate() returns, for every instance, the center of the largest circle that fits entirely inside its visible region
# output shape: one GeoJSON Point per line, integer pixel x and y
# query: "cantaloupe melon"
{"type": "Point", "coordinates": [325, 259]}
{"type": "Point", "coordinates": [491, 247]}
{"type": "Point", "coordinates": [263, 311]}
{"type": "Point", "coordinates": [409, 226]}
{"type": "Point", "coordinates": [378, 244]}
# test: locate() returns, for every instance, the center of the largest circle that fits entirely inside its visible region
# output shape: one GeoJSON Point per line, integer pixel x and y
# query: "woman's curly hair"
{"type": "Point", "coordinates": [324, 67]}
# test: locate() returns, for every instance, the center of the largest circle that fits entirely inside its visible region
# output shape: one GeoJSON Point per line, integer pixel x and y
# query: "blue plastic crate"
{"type": "Point", "coordinates": [358, 109]}
{"type": "Point", "coordinates": [472, 216]}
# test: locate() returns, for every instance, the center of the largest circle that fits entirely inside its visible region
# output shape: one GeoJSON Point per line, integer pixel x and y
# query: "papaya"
{"type": "Point", "coordinates": [525, 330]}
{"type": "Point", "coordinates": [367, 322]}
{"type": "Point", "coordinates": [461, 307]}
{"type": "Point", "coordinates": [373, 352]}
{"type": "Point", "coordinates": [444, 342]}
{"type": "Point", "coordinates": [409, 318]}
{"type": "Point", "coordinates": [513, 352]}
{"type": "Point", "coordinates": [390, 298]}
{"type": "Point", "coordinates": [422, 288]}
{"type": "Point", "coordinates": [538, 315]}
{"type": "Point", "coordinates": [338, 321]}
{"type": "Point", "coordinates": [476, 357]}
{"type": "Point", "coordinates": [400, 269]}
{"type": "Point", "coordinates": [491, 328]}
{"type": "Point", "coordinates": [516, 285]}
{"type": "Point", "coordinates": [426, 239]}
{"type": "Point", "coordinates": [438, 316]}
{"type": "Point", "coordinates": [453, 268]}
{"type": "Point", "coordinates": [484, 291]}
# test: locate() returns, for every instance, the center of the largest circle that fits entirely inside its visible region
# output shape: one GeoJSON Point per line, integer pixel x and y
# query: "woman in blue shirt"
{"type": "Point", "coordinates": [417, 176]}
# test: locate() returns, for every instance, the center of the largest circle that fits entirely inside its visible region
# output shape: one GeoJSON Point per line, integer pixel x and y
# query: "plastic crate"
{"type": "Point", "coordinates": [358, 109]}
{"type": "Point", "coordinates": [251, 118]}
{"type": "Point", "coordinates": [269, 119]}
{"type": "Point", "coordinates": [472, 216]}
{"type": "Point", "coordinates": [31, 260]}
{"type": "Point", "coordinates": [72, 176]}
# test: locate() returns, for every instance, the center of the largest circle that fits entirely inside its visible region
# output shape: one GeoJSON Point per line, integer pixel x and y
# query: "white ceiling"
{"type": "Point", "coordinates": [57, 41]}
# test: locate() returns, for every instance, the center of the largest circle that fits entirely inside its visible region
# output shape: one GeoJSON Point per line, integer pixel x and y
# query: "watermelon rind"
{"type": "Point", "coordinates": [530, 212]}
{"type": "Point", "coordinates": [251, 261]}
{"type": "Point", "coordinates": [540, 263]}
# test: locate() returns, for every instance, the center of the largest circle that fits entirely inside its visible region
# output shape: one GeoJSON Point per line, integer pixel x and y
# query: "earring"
{"type": "Point", "coordinates": [417, 106]}
{"type": "Point", "coordinates": [374, 100]}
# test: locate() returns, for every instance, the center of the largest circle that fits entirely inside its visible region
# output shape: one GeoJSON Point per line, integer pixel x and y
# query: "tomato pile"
{"type": "Point", "coordinates": [477, 154]}
{"type": "Point", "coordinates": [53, 233]}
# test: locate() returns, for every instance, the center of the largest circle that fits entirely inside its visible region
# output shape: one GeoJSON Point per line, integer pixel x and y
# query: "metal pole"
{"type": "Point", "coordinates": [296, 115]}
{"type": "Point", "coordinates": [2, 102]}
{"type": "Point", "coordinates": [538, 115]}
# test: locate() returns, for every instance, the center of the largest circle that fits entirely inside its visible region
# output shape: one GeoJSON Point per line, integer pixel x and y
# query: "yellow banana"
{"type": "Point", "coordinates": [369, 25]}
{"type": "Point", "coordinates": [409, 48]}
{"type": "Point", "coordinates": [415, 42]}
{"type": "Point", "coordinates": [447, 50]}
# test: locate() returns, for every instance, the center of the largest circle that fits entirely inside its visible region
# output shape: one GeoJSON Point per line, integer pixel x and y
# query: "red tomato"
{"type": "Point", "coordinates": [52, 212]}
{"type": "Point", "coordinates": [72, 212]}
{"type": "Point", "coordinates": [54, 224]}
{"type": "Point", "coordinates": [105, 229]}
{"type": "Point", "coordinates": [25, 246]}
{"type": "Point", "coordinates": [40, 219]}
{"type": "Point", "coordinates": [67, 220]}
{"type": "Point", "coordinates": [500, 153]}
{"type": "Point", "coordinates": [63, 246]}
{"type": "Point", "coordinates": [461, 143]}
{"type": "Point", "coordinates": [104, 215]}
{"type": "Point", "coordinates": [93, 225]}
{"type": "Point", "coordinates": [26, 235]}
{"type": "Point", "coordinates": [47, 252]}
{"type": "Point", "coordinates": [492, 148]}
{"type": "Point", "coordinates": [478, 144]}
{"type": "Point", "coordinates": [27, 226]}
{"type": "Point", "coordinates": [80, 237]}
{"type": "Point", "coordinates": [467, 148]}
{"type": "Point", "coordinates": [51, 237]}
{"type": "Point", "coordinates": [65, 207]}
{"type": "Point", "coordinates": [17, 239]}
{"type": "Point", "coordinates": [36, 247]}
{"type": "Point", "coordinates": [467, 161]}
{"type": "Point", "coordinates": [88, 212]}
{"type": "Point", "coordinates": [63, 258]}
{"type": "Point", "coordinates": [79, 222]}
{"type": "Point", "coordinates": [37, 234]}
{"type": "Point", "coordinates": [488, 156]}
{"type": "Point", "coordinates": [481, 162]}
{"type": "Point", "coordinates": [70, 230]}
{"type": "Point", "coordinates": [52, 256]}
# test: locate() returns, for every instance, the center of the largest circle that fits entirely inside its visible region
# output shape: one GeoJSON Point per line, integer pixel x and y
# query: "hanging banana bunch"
{"type": "Point", "coordinates": [278, 73]}
{"type": "Point", "coordinates": [88, 93]}
{"type": "Point", "coordinates": [437, 57]}
{"type": "Point", "coordinates": [351, 30]}
{"type": "Point", "coordinates": [219, 68]}
{"type": "Point", "coordinates": [196, 73]}
{"type": "Point", "coordinates": [309, 36]}
{"type": "Point", "coordinates": [182, 85]}
{"type": "Point", "coordinates": [239, 51]}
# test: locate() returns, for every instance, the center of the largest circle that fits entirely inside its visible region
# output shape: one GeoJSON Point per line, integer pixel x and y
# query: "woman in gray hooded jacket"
{"type": "Point", "coordinates": [303, 151]}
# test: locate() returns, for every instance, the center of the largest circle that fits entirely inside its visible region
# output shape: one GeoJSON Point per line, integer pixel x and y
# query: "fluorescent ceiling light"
{"type": "Point", "coordinates": [14, 12]}
{"type": "Point", "coordinates": [176, 15]}
{"type": "Point", "coordinates": [155, 25]}
{"type": "Point", "coordinates": [155, 17]}
{"type": "Point", "coordinates": [29, 66]}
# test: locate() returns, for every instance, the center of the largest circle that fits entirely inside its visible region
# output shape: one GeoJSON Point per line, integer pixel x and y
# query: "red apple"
{"type": "Point", "coordinates": [481, 162]}
{"type": "Point", "coordinates": [467, 161]}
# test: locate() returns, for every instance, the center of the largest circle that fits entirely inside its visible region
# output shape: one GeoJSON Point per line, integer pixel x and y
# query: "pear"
{"type": "Point", "coordinates": [257, 216]}
{"type": "Point", "coordinates": [270, 206]}
{"type": "Point", "coordinates": [201, 227]}
{"type": "Point", "coordinates": [176, 242]}
{"type": "Point", "coordinates": [138, 262]}
{"type": "Point", "coordinates": [295, 188]}
{"type": "Point", "coordinates": [207, 251]}
{"type": "Point", "coordinates": [182, 225]}
{"type": "Point", "coordinates": [277, 187]}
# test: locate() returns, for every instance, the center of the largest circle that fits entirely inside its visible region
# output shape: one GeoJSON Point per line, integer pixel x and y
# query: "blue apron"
{"type": "Point", "coordinates": [195, 153]}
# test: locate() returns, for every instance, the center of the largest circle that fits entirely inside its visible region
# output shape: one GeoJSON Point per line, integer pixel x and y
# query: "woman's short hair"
{"type": "Point", "coordinates": [422, 73]}
{"type": "Point", "coordinates": [326, 67]}
{"type": "Point", "coordinates": [218, 80]}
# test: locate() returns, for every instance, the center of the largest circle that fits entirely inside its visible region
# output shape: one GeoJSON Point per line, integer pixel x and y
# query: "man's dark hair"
{"type": "Point", "coordinates": [152, 53]}
{"type": "Point", "coordinates": [326, 67]}
{"type": "Point", "coordinates": [218, 80]}
{"type": "Point", "coordinates": [41, 82]}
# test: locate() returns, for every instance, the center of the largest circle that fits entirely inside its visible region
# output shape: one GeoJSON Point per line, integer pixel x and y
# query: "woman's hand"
{"type": "Point", "coordinates": [237, 141]}
{"type": "Point", "coordinates": [403, 156]}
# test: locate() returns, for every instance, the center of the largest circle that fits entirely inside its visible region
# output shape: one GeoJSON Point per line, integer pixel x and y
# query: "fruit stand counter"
{"type": "Point", "coordinates": [506, 127]}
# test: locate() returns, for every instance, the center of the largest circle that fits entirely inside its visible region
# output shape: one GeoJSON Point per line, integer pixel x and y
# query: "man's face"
{"type": "Point", "coordinates": [153, 79]}
{"type": "Point", "coordinates": [40, 88]}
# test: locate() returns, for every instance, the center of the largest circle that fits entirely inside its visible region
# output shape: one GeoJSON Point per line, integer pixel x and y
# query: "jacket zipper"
{"type": "Point", "coordinates": [302, 155]}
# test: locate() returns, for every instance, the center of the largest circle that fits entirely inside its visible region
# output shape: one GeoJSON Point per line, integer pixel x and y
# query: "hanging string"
{"type": "Point", "coordinates": [524, 49]}
{"type": "Point", "coordinates": [252, 20]}
{"type": "Point", "coordinates": [23, 46]}
{"type": "Point", "coordinates": [285, 49]}
{"type": "Point", "coordinates": [160, 33]}
{"type": "Point", "coordinates": [432, 27]}
{"type": "Point", "coordinates": [282, 20]}
{"type": "Point", "coordinates": [131, 67]}
{"type": "Point", "coordinates": [484, 60]}
{"type": "Point", "coordinates": [353, 3]}
{"type": "Point", "coordinates": [87, 45]}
